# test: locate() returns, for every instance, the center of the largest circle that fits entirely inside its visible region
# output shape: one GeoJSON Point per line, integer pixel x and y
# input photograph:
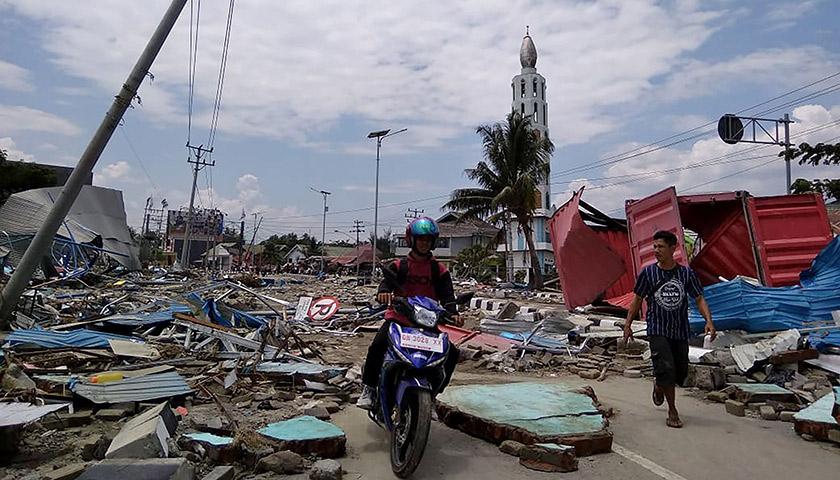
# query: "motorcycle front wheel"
{"type": "Point", "coordinates": [411, 432]}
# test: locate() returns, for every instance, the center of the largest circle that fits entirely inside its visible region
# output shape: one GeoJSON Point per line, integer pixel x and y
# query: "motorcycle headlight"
{"type": "Point", "coordinates": [425, 318]}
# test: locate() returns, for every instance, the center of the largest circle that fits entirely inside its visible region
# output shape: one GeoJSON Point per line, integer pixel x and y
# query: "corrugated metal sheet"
{"type": "Point", "coordinates": [22, 413]}
{"type": "Point", "coordinates": [147, 319]}
{"type": "Point", "coordinates": [727, 252]}
{"type": "Point", "coordinates": [619, 242]}
{"type": "Point", "coordinates": [137, 389]}
{"type": "Point", "coordinates": [790, 230]}
{"type": "Point", "coordinates": [73, 339]}
{"type": "Point", "coordinates": [647, 216]}
{"type": "Point", "coordinates": [575, 245]}
{"type": "Point", "coordinates": [743, 306]}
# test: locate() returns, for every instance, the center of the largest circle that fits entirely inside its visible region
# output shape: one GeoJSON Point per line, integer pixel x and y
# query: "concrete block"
{"type": "Point", "coordinates": [735, 408]}
{"type": "Point", "coordinates": [736, 379]}
{"type": "Point", "coordinates": [221, 473]}
{"type": "Point", "coordinates": [284, 462]}
{"type": "Point", "coordinates": [163, 411]}
{"type": "Point", "coordinates": [768, 413]}
{"type": "Point", "coordinates": [589, 374]}
{"type": "Point", "coordinates": [95, 446]}
{"type": "Point", "coordinates": [511, 447]}
{"type": "Point", "coordinates": [332, 407]}
{"type": "Point", "coordinates": [111, 414]}
{"type": "Point", "coordinates": [834, 436]}
{"type": "Point", "coordinates": [549, 457]}
{"type": "Point", "coordinates": [147, 440]}
{"type": "Point", "coordinates": [706, 377]}
{"type": "Point", "coordinates": [755, 407]}
{"type": "Point", "coordinates": [69, 472]}
{"type": "Point", "coordinates": [318, 411]}
{"type": "Point", "coordinates": [786, 416]}
{"type": "Point", "coordinates": [137, 469]}
{"type": "Point", "coordinates": [720, 397]}
{"type": "Point", "coordinates": [632, 373]}
{"type": "Point", "coordinates": [326, 470]}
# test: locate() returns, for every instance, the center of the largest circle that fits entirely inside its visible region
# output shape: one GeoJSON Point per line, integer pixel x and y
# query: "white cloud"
{"type": "Point", "coordinates": [24, 119]}
{"type": "Point", "coordinates": [13, 77]}
{"type": "Point", "coordinates": [291, 77]}
{"type": "Point", "coordinates": [787, 14]}
{"type": "Point", "coordinates": [116, 173]}
{"type": "Point", "coordinates": [12, 152]}
{"type": "Point", "coordinates": [763, 176]}
{"type": "Point", "coordinates": [780, 67]}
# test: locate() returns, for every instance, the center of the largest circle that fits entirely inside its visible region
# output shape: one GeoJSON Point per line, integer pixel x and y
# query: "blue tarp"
{"type": "Point", "coordinates": [237, 318]}
{"type": "Point", "coordinates": [73, 339]}
{"type": "Point", "coordinates": [824, 340]}
{"type": "Point", "coordinates": [738, 305]}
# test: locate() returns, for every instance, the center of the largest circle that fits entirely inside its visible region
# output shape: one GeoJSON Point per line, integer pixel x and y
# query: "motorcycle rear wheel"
{"type": "Point", "coordinates": [410, 434]}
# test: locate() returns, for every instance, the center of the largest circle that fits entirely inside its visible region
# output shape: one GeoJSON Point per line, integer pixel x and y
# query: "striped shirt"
{"type": "Point", "coordinates": [666, 292]}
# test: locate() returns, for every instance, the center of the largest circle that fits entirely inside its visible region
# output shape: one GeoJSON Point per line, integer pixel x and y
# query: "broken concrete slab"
{"type": "Point", "coordinates": [528, 413]}
{"type": "Point", "coordinates": [221, 473]}
{"type": "Point", "coordinates": [161, 410]}
{"type": "Point", "coordinates": [760, 392]}
{"type": "Point", "coordinates": [511, 447]}
{"type": "Point", "coordinates": [768, 413]}
{"type": "Point", "coordinates": [818, 419]}
{"type": "Point", "coordinates": [146, 440]}
{"type": "Point", "coordinates": [307, 435]}
{"type": "Point", "coordinates": [68, 472]}
{"type": "Point", "coordinates": [140, 469]}
{"type": "Point", "coordinates": [217, 448]}
{"type": "Point", "coordinates": [719, 397]}
{"type": "Point", "coordinates": [734, 407]}
{"type": "Point", "coordinates": [706, 377]}
{"type": "Point", "coordinates": [14, 380]}
{"type": "Point", "coordinates": [95, 447]}
{"type": "Point", "coordinates": [549, 457]}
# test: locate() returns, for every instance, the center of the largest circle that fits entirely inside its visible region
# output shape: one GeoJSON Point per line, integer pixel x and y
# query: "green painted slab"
{"type": "Point", "coordinates": [300, 429]}
{"type": "Point", "coordinates": [761, 388]}
{"type": "Point", "coordinates": [214, 440]}
{"type": "Point", "coordinates": [543, 409]}
{"type": "Point", "coordinates": [819, 411]}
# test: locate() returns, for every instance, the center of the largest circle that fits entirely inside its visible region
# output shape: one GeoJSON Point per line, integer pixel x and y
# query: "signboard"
{"type": "Point", "coordinates": [206, 222]}
{"type": "Point", "coordinates": [302, 309]}
{"type": "Point", "coordinates": [323, 308]}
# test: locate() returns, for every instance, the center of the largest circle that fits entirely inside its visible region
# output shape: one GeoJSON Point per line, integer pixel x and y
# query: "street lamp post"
{"type": "Point", "coordinates": [379, 136]}
{"type": "Point", "coordinates": [323, 225]}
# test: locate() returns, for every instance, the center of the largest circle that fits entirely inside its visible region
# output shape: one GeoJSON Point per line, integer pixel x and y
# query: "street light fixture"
{"type": "Point", "coordinates": [379, 136]}
{"type": "Point", "coordinates": [323, 225]}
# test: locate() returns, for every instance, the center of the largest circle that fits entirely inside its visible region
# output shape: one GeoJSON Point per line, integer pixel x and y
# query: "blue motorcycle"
{"type": "Point", "coordinates": [412, 375]}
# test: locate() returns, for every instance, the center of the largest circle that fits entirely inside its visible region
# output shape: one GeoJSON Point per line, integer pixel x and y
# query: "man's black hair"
{"type": "Point", "coordinates": [669, 237]}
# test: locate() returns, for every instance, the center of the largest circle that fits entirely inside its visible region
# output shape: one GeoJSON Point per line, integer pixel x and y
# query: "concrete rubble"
{"type": "Point", "coordinates": [191, 376]}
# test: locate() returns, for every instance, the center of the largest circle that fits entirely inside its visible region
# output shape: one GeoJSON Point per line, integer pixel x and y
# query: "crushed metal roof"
{"type": "Point", "coordinates": [137, 389]}
{"type": "Point", "coordinates": [73, 339]}
{"type": "Point", "coordinates": [17, 413]}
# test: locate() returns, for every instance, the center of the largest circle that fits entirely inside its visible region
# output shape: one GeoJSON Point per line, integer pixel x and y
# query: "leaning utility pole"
{"type": "Point", "coordinates": [198, 162]}
{"type": "Point", "coordinates": [43, 239]}
{"type": "Point", "coordinates": [358, 227]}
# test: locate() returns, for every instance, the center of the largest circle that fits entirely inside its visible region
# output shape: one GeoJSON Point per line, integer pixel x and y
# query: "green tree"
{"type": "Point", "coordinates": [516, 160]}
{"type": "Point", "coordinates": [479, 262]}
{"type": "Point", "coordinates": [383, 245]}
{"type": "Point", "coordinates": [815, 155]}
{"type": "Point", "coordinates": [20, 176]}
{"type": "Point", "coordinates": [828, 188]}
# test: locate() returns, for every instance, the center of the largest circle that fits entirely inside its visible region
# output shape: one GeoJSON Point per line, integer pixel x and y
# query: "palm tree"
{"type": "Point", "coordinates": [516, 160]}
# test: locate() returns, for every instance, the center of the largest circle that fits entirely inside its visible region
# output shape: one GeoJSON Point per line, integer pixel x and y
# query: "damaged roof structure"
{"type": "Point", "coordinates": [96, 223]}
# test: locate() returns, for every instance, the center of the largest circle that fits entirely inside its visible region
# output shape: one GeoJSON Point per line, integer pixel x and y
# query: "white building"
{"type": "Point", "coordinates": [529, 99]}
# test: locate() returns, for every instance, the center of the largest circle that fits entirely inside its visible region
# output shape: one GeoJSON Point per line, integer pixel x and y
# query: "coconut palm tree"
{"type": "Point", "coordinates": [516, 160]}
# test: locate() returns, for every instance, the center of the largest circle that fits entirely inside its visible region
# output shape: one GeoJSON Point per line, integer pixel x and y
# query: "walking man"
{"type": "Point", "coordinates": [666, 286]}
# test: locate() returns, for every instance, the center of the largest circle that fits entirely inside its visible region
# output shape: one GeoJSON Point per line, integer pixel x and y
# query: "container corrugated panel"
{"type": "Point", "coordinates": [620, 243]}
{"type": "Point", "coordinates": [728, 253]}
{"type": "Point", "coordinates": [790, 230]}
{"type": "Point", "coordinates": [645, 217]}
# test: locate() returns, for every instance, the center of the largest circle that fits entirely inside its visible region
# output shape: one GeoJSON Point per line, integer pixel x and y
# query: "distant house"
{"type": "Point", "coordinates": [296, 255]}
{"type": "Point", "coordinates": [221, 256]}
{"type": "Point", "coordinates": [455, 237]}
{"type": "Point", "coordinates": [335, 251]}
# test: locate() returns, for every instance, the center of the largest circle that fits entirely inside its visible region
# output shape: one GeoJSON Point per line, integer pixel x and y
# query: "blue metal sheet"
{"type": "Point", "coordinates": [147, 319]}
{"type": "Point", "coordinates": [743, 306]}
{"type": "Point", "coordinates": [72, 339]}
{"type": "Point", "coordinates": [136, 389]}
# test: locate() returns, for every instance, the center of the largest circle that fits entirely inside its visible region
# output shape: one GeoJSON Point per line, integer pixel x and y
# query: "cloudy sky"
{"type": "Point", "coordinates": [306, 82]}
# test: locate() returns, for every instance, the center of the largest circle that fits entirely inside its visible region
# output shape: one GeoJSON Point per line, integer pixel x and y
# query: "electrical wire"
{"type": "Point", "coordinates": [217, 104]}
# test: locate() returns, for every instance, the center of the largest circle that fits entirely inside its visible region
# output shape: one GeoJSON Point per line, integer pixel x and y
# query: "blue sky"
{"type": "Point", "coordinates": [306, 82]}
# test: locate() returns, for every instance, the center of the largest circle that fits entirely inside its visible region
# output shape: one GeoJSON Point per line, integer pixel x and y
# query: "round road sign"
{"type": "Point", "coordinates": [323, 308]}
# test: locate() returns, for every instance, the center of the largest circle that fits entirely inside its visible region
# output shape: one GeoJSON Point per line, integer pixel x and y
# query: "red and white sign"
{"type": "Point", "coordinates": [323, 309]}
{"type": "Point", "coordinates": [421, 342]}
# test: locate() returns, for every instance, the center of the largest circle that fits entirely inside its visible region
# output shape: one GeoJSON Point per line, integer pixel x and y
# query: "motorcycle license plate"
{"type": "Point", "coordinates": [421, 342]}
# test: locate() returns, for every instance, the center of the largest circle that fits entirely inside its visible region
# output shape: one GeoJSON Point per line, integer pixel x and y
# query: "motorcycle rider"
{"type": "Point", "coordinates": [418, 274]}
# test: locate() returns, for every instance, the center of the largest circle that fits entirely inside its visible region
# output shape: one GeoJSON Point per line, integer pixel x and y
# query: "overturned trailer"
{"type": "Point", "coordinates": [771, 239]}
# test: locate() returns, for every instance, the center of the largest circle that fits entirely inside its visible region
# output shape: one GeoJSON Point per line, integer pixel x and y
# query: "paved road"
{"type": "Point", "coordinates": [713, 445]}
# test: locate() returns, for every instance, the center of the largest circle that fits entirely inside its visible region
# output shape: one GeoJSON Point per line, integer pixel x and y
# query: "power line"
{"type": "Point", "coordinates": [217, 104]}
{"type": "Point", "coordinates": [192, 64]}
{"type": "Point", "coordinates": [140, 161]}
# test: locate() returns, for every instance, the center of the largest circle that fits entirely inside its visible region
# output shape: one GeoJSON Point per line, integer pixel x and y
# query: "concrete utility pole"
{"type": "Point", "coordinates": [198, 163]}
{"type": "Point", "coordinates": [323, 225]}
{"type": "Point", "coordinates": [379, 136]}
{"type": "Point", "coordinates": [358, 227]}
{"type": "Point", "coordinates": [43, 239]}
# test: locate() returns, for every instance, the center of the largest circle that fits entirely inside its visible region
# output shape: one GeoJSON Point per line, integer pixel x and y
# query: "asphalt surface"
{"type": "Point", "coordinates": [712, 445]}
